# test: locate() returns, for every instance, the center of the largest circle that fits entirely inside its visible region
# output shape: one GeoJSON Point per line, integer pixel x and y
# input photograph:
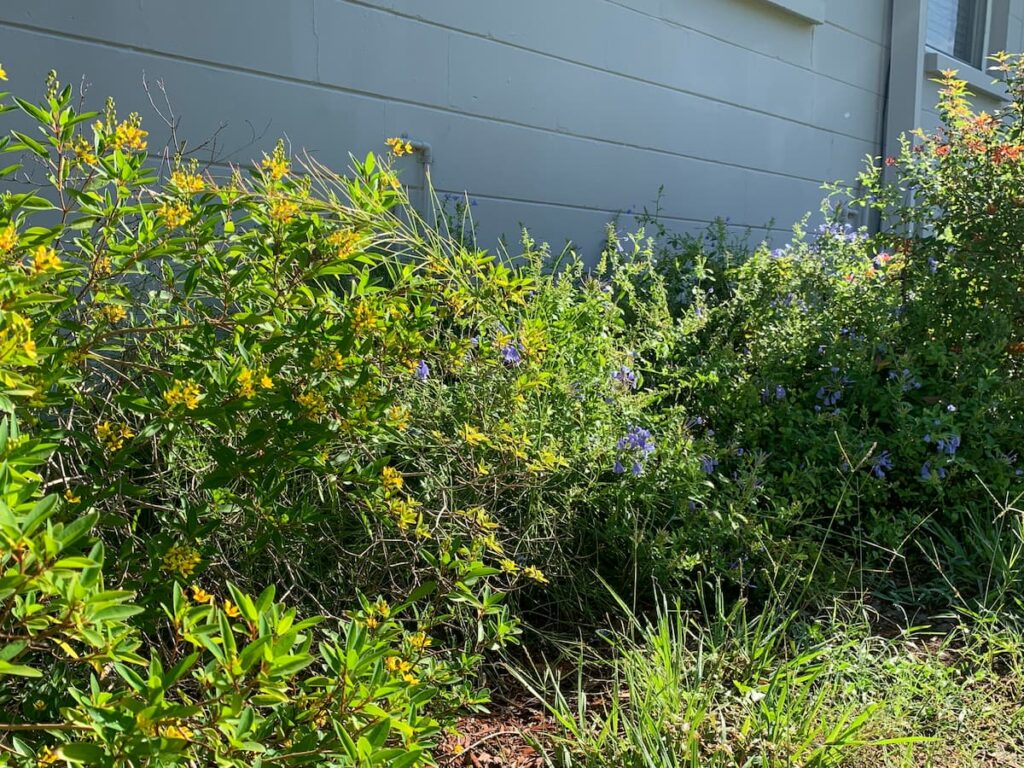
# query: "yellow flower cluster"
{"type": "Point", "coordinates": [398, 417]}
{"type": "Point", "coordinates": [345, 242]}
{"type": "Point", "coordinates": [45, 260]}
{"type": "Point", "coordinates": [313, 405]}
{"type": "Point", "coordinates": [129, 135]}
{"type": "Point", "coordinates": [391, 481]}
{"type": "Point", "coordinates": [328, 360]}
{"type": "Point", "coordinates": [181, 559]}
{"type": "Point", "coordinates": [112, 436]}
{"type": "Point", "coordinates": [189, 183]}
{"type": "Point", "coordinates": [175, 214]}
{"type": "Point", "coordinates": [399, 666]}
{"type": "Point", "coordinates": [231, 609]}
{"type": "Point", "coordinates": [420, 641]}
{"type": "Point", "coordinates": [405, 512]}
{"type": "Point", "coordinates": [363, 317]}
{"type": "Point", "coordinates": [16, 333]}
{"type": "Point", "coordinates": [400, 147]}
{"type": "Point", "coordinates": [8, 238]}
{"type": "Point", "coordinates": [246, 382]}
{"type": "Point", "coordinates": [180, 732]}
{"type": "Point", "coordinates": [276, 166]}
{"type": "Point", "coordinates": [283, 211]}
{"type": "Point", "coordinates": [535, 574]}
{"type": "Point", "coordinates": [113, 313]}
{"type": "Point", "coordinates": [84, 151]}
{"type": "Point", "coordinates": [186, 393]}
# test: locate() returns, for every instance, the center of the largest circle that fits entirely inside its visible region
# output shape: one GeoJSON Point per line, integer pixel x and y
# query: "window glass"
{"type": "Point", "coordinates": [956, 28]}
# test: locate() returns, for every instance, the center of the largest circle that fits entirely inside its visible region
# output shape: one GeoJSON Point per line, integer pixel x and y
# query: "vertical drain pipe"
{"type": "Point", "coordinates": [425, 153]}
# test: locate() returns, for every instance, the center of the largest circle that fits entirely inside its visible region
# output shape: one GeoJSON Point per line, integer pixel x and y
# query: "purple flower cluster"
{"type": "Point", "coordinates": [906, 379]}
{"type": "Point", "coordinates": [927, 473]}
{"type": "Point", "coordinates": [511, 354]}
{"type": "Point", "coordinates": [422, 371]}
{"type": "Point", "coordinates": [634, 448]}
{"type": "Point", "coordinates": [773, 393]}
{"type": "Point", "coordinates": [844, 233]}
{"type": "Point", "coordinates": [830, 394]}
{"type": "Point", "coordinates": [625, 376]}
{"type": "Point", "coordinates": [880, 464]}
{"type": "Point", "coordinates": [708, 464]}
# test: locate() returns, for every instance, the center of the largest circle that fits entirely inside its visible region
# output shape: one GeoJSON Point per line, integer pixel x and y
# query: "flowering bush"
{"type": "Point", "coordinates": [868, 381]}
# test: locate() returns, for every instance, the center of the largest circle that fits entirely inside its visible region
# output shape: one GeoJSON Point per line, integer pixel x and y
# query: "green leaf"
{"type": "Point", "coordinates": [18, 670]}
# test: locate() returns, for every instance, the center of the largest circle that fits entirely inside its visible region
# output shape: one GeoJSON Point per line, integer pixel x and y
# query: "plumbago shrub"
{"type": "Point", "coordinates": [869, 384]}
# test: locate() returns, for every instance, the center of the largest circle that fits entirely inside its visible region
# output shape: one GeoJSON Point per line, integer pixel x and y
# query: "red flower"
{"type": "Point", "coordinates": [942, 150]}
{"type": "Point", "coordinates": [890, 160]}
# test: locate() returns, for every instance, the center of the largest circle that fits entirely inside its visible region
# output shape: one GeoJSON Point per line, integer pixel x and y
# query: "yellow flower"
{"type": "Point", "coordinates": [391, 480]}
{"type": "Point", "coordinates": [102, 266]}
{"type": "Point", "coordinates": [190, 183]}
{"type": "Point", "coordinates": [44, 260]}
{"type": "Point", "coordinates": [363, 317]}
{"type": "Point", "coordinates": [200, 595]}
{"type": "Point", "coordinates": [71, 497]}
{"type": "Point", "coordinates": [405, 511]}
{"type": "Point", "coordinates": [186, 393]}
{"type": "Point", "coordinates": [84, 151]}
{"type": "Point", "coordinates": [283, 211]}
{"type": "Point", "coordinates": [3, 73]}
{"type": "Point", "coordinates": [8, 238]}
{"type": "Point", "coordinates": [181, 559]}
{"type": "Point", "coordinates": [472, 436]}
{"type": "Point", "coordinates": [391, 180]}
{"type": "Point", "coordinates": [266, 382]}
{"type": "Point", "coordinates": [508, 566]}
{"type": "Point", "coordinates": [392, 663]}
{"type": "Point", "coordinates": [381, 607]}
{"type": "Point", "coordinates": [398, 417]}
{"type": "Point", "coordinates": [372, 622]}
{"type": "Point", "coordinates": [129, 135]}
{"type": "Point", "coordinates": [182, 732]}
{"type": "Point", "coordinates": [231, 609]}
{"type": "Point", "coordinates": [176, 214]}
{"type": "Point", "coordinates": [328, 361]}
{"type": "Point", "coordinates": [113, 313]}
{"type": "Point", "coordinates": [313, 405]}
{"type": "Point", "coordinates": [246, 385]}
{"type": "Point", "coordinates": [276, 166]}
{"type": "Point", "coordinates": [111, 436]}
{"type": "Point", "coordinates": [535, 574]}
{"type": "Point", "coordinates": [46, 755]}
{"type": "Point", "coordinates": [420, 641]}
{"type": "Point", "coordinates": [410, 678]}
{"type": "Point", "coordinates": [400, 146]}
{"type": "Point", "coordinates": [345, 242]}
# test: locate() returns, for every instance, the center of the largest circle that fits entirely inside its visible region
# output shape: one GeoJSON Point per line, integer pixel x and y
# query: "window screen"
{"type": "Point", "coordinates": [957, 28]}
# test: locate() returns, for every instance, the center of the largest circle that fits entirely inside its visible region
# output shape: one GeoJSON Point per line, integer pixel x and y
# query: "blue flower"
{"type": "Point", "coordinates": [422, 371]}
{"type": "Point", "coordinates": [625, 376]}
{"type": "Point", "coordinates": [637, 469]}
{"type": "Point", "coordinates": [510, 354]}
{"type": "Point", "coordinates": [948, 445]}
{"type": "Point", "coordinates": [708, 464]}
{"type": "Point", "coordinates": [880, 464]}
{"type": "Point", "coordinates": [618, 469]}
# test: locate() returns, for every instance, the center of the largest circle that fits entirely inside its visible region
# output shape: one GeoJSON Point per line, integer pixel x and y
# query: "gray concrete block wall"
{"type": "Point", "coordinates": [555, 115]}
